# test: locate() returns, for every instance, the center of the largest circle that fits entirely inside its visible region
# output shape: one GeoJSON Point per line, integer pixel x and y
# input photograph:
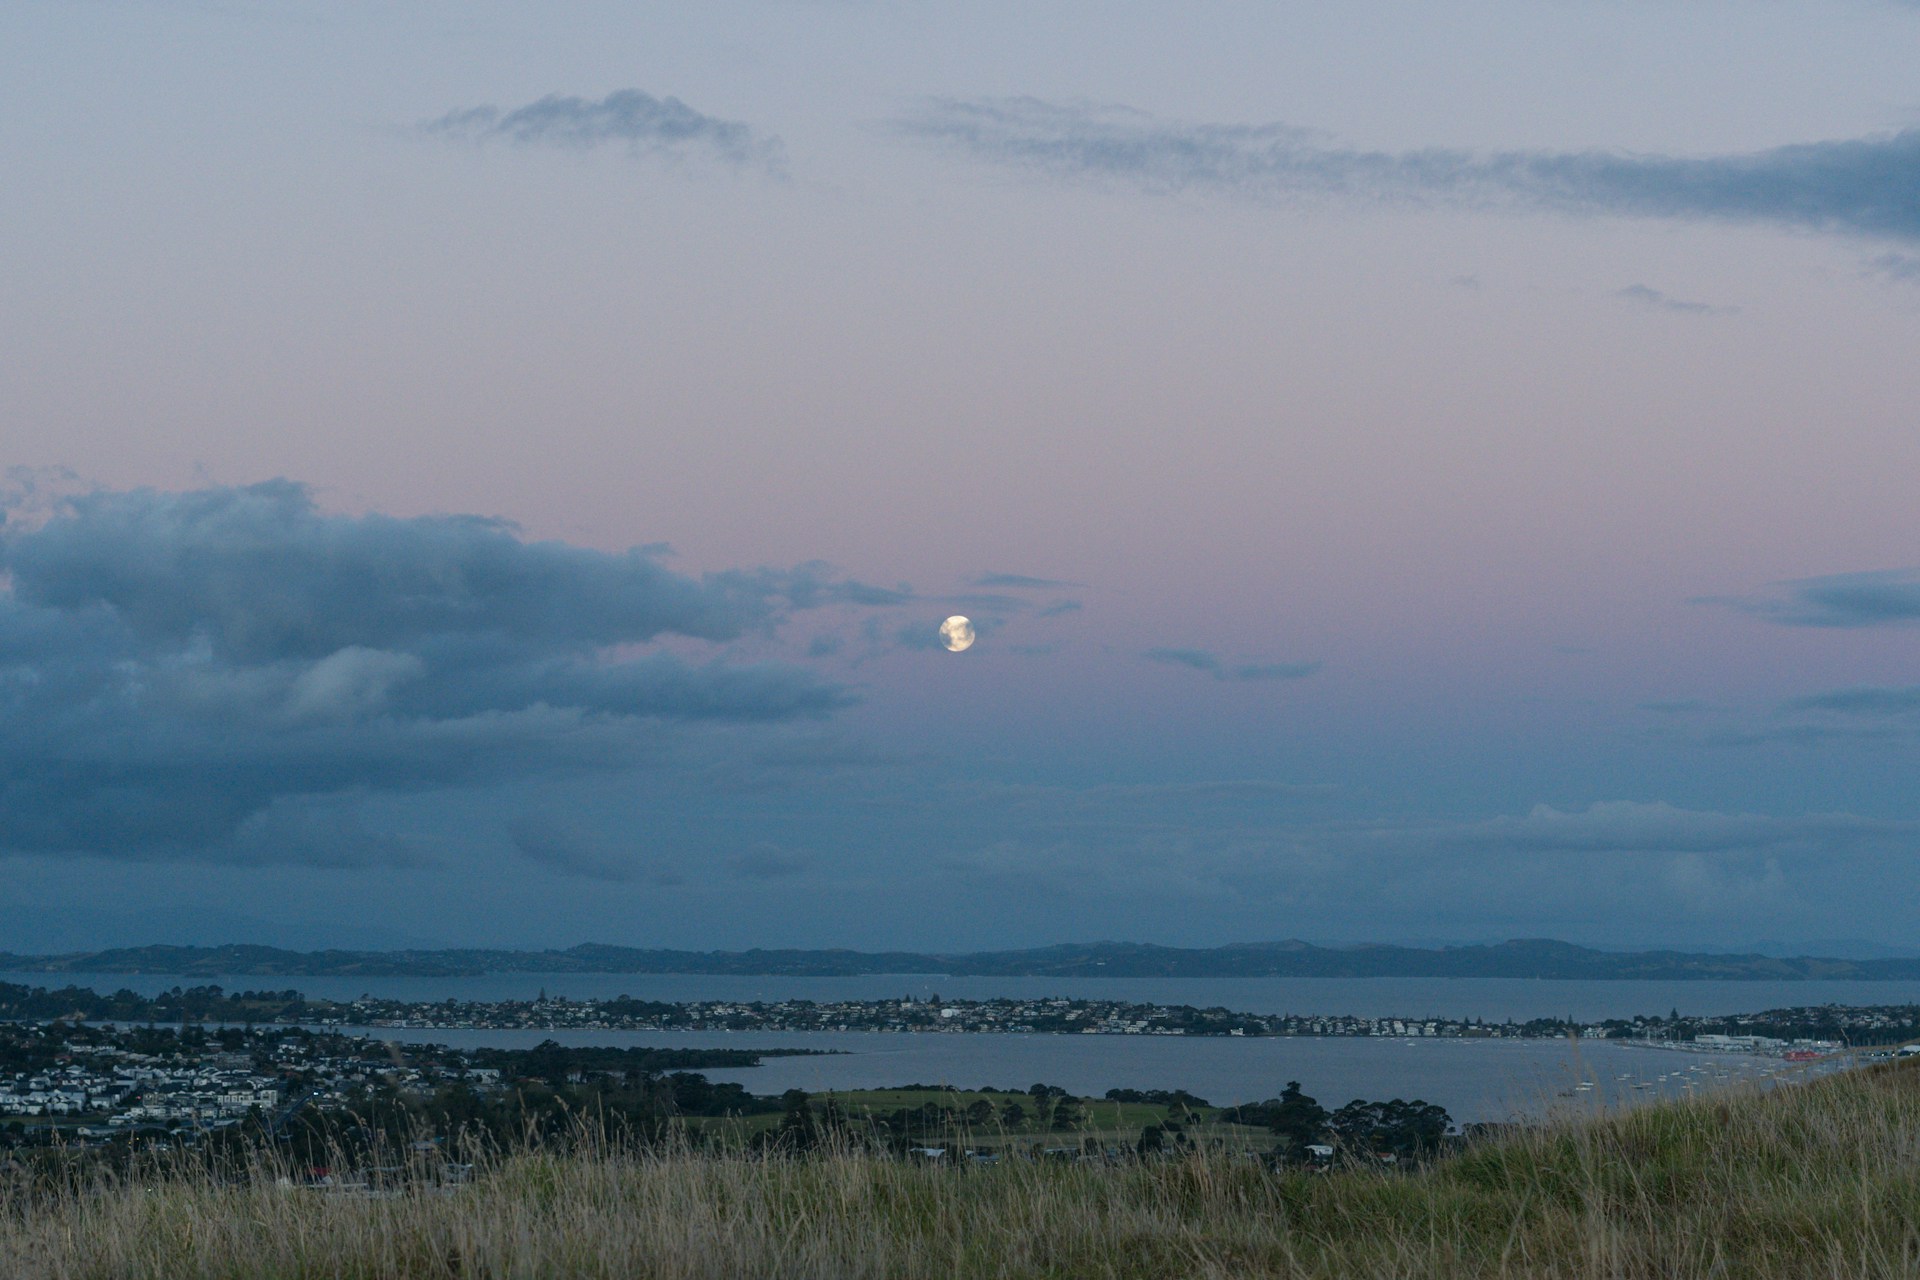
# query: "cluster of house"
{"type": "Point", "coordinates": [113, 1085]}
{"type": "Point", "coordinates": [1798, 1050]}
{"type": "Point", "coordinates": [1058, 1015]}
{"type": "Point", "coordinates": [1799, 1033]}
{"type": "Point", "coordinates": [111, 1088]}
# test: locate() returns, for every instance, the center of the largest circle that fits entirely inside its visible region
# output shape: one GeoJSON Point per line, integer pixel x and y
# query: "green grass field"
{"type": "Point", "coordinates": [1108, 1124]}
{"type": "Point", "coordinates": [1815, 1180]}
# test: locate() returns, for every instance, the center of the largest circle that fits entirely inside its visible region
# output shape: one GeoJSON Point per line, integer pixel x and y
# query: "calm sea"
{"type": "Point", "coordinates": [1472, 1079]}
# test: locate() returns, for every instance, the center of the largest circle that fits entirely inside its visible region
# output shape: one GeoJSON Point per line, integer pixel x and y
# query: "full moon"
{"type": "Point", "coordinates": [957, 633]}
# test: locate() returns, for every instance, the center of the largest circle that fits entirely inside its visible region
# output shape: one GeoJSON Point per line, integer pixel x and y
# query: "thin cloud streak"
{"type": "Point", "coordinates": [1858, 186]}
{"type": "Point", "coordinates": [1211, 664]}
{"type": "Point", "coordinates": [1903, 267]}
{"type": "Point", "coordinates": [1880, 598]}
{"type": "Point", "coordinates": [645, 124]}
{"type": "Point", "coordinates": [1020, 582]}
{"type": "Point", "coordinates": [1647, 296]}
{"type": "Point", "coordinates": [1867, 702]}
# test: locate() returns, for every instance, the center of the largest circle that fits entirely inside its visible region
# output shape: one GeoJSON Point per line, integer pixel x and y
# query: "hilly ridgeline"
{"type": "Point", "coordinates": [1523, 958]}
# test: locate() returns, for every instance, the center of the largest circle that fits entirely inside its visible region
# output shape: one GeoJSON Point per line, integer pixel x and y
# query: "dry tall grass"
{"type": "Point", "coordinates": [1821, 1180]}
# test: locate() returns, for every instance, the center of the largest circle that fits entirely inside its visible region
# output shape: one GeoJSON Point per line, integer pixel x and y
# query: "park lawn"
{"type": "Point", "coordinates": [1104, 1113]}
{"type": "Point", "coordinates": [1108, 1123]}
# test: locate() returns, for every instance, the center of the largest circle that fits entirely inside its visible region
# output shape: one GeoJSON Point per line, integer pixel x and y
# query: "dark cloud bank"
{"type": "Point", "coordinates": [219, 673]}
{"type": "Point", "coordinates": [1863, 186]}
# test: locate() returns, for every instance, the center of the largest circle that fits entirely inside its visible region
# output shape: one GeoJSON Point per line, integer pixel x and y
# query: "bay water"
{"type": "Point", "coordinates": [1474, 1079]}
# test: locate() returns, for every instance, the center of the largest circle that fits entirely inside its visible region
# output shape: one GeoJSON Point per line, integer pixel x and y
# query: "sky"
{"type": "Point", "coordinates": [492, 474]}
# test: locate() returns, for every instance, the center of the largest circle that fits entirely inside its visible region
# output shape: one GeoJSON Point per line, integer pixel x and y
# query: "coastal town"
{"type": "Point", "coordinates": [356, 1115]}
{"type": "Point", "coordinates": [185, 1064]}
{"type": "Point", "coordinates": [88, 1082]}
{"type": "Point", "coordinates": [1787, 1033]}
{"type": "Point", "coordinates": [114, 1080]}
{"type": "Point", "coordinates": [1779, 1032]}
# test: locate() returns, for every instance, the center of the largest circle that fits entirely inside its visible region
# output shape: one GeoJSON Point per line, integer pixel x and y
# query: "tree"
{"type": "Point", "coordinates": [797, 1127]}
{"type": "Point", "coordinates": [1013, 1115]}
{"type": "Point", "coordinates": [1297, 1121]}
{"type": "Point", "coordinates": [1408, 1130]}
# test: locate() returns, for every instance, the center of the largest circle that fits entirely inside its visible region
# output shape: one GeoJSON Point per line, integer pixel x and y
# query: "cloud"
{"type": "Point", "coordinates": [1020, 582]}
{"type": "Point", "coordinates": [1201, 660]}
{"type": "Point", "coordinates": [919, 635]}
{"type": "Point", "coordinates": [1649, 860]}
{"type": "Point", "coordinates": [1612, 869]}
{"type": "Point", "coordinates": [1197, 659]}
{"type": "Point", "coordinates": [1889, 597]}
{"type": "Point", "coordinates": [766, 863]}
{"type": "Point", "coordinates": [1272, 671]}
{"type": "Point", "coordinates": [1869, 701]}
{"type": "Point", "coordinates": [983, 602]}
{"type": "Point", "coordinates": [645, 124]}
{"type": "Point", "coordinates": [1679, 707]}
{"type": "Point", "coordinates": [323, 832]}
{"type": "Point", "coordinates": [204, 674]}
{"type": "Point", "coordinates": [1627, 827]}
{"type": "Point", "coordinates": [1904, 267]}
{"type": "Point", "coordinates": [925, 636]}
{"type": "Point", "coordinates": [817, 583]}
{"type": "Point", "coordinates": [569, 850]}
{"type": "Point", "coordinates": [1059, 607]}
{"type": "Point", "coordinates": [1859, 186]}
{"type": "Point", "coordinates": [1646, 296]}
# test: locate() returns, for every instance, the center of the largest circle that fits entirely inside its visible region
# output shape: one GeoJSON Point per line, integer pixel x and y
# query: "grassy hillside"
{"type": "Point", "coordinates": [1816, 1180]}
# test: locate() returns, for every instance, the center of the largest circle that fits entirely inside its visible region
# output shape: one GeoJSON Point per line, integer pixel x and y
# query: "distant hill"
{"type": "Point", "coordinates": [1522, 958]}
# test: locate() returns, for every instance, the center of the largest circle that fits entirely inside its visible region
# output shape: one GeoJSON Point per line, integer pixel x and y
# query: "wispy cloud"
{"type": "Point", "coordinates": [1904, 267]}
{"type": "Point", "coordinates": [1211, 664]}
{"type": "Point", "coordinates": [1562, 868]}
{"type": "Point", "coordinates": [1197, 659]}
{"type": "Point", "coordinates": [1647, 296]}
{"type": "Point", "coordinates": [1868, 701]}
{"type": "Point", "coordinates": [643, 123]}
{"type": "Point", "coordinates": [1020, 582]}
{"type": "Point", "coordinates": [985, 602]}
{"type": "Point", "coordinates": [1679, 707]}
{"type": "Point", "coordinates": [766, 863]}
{"type": "Point", "coordinates": [1862, 186]}
{"type": "Point", "coordinates": [569, 850]}
{"type": "Point", "coordinates": [1888, 597]}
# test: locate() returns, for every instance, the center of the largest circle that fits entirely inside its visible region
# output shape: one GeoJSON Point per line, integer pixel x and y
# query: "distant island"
{"type": "Point", "coordinates": [1521, 958]}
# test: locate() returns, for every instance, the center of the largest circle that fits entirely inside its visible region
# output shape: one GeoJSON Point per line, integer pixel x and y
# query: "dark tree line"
{"type": "Point", "coordinates": [1414, 1131]}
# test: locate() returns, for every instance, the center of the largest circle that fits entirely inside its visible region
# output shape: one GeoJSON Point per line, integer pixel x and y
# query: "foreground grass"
{"type": "Point", "coordinates": [1821, 1180]}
